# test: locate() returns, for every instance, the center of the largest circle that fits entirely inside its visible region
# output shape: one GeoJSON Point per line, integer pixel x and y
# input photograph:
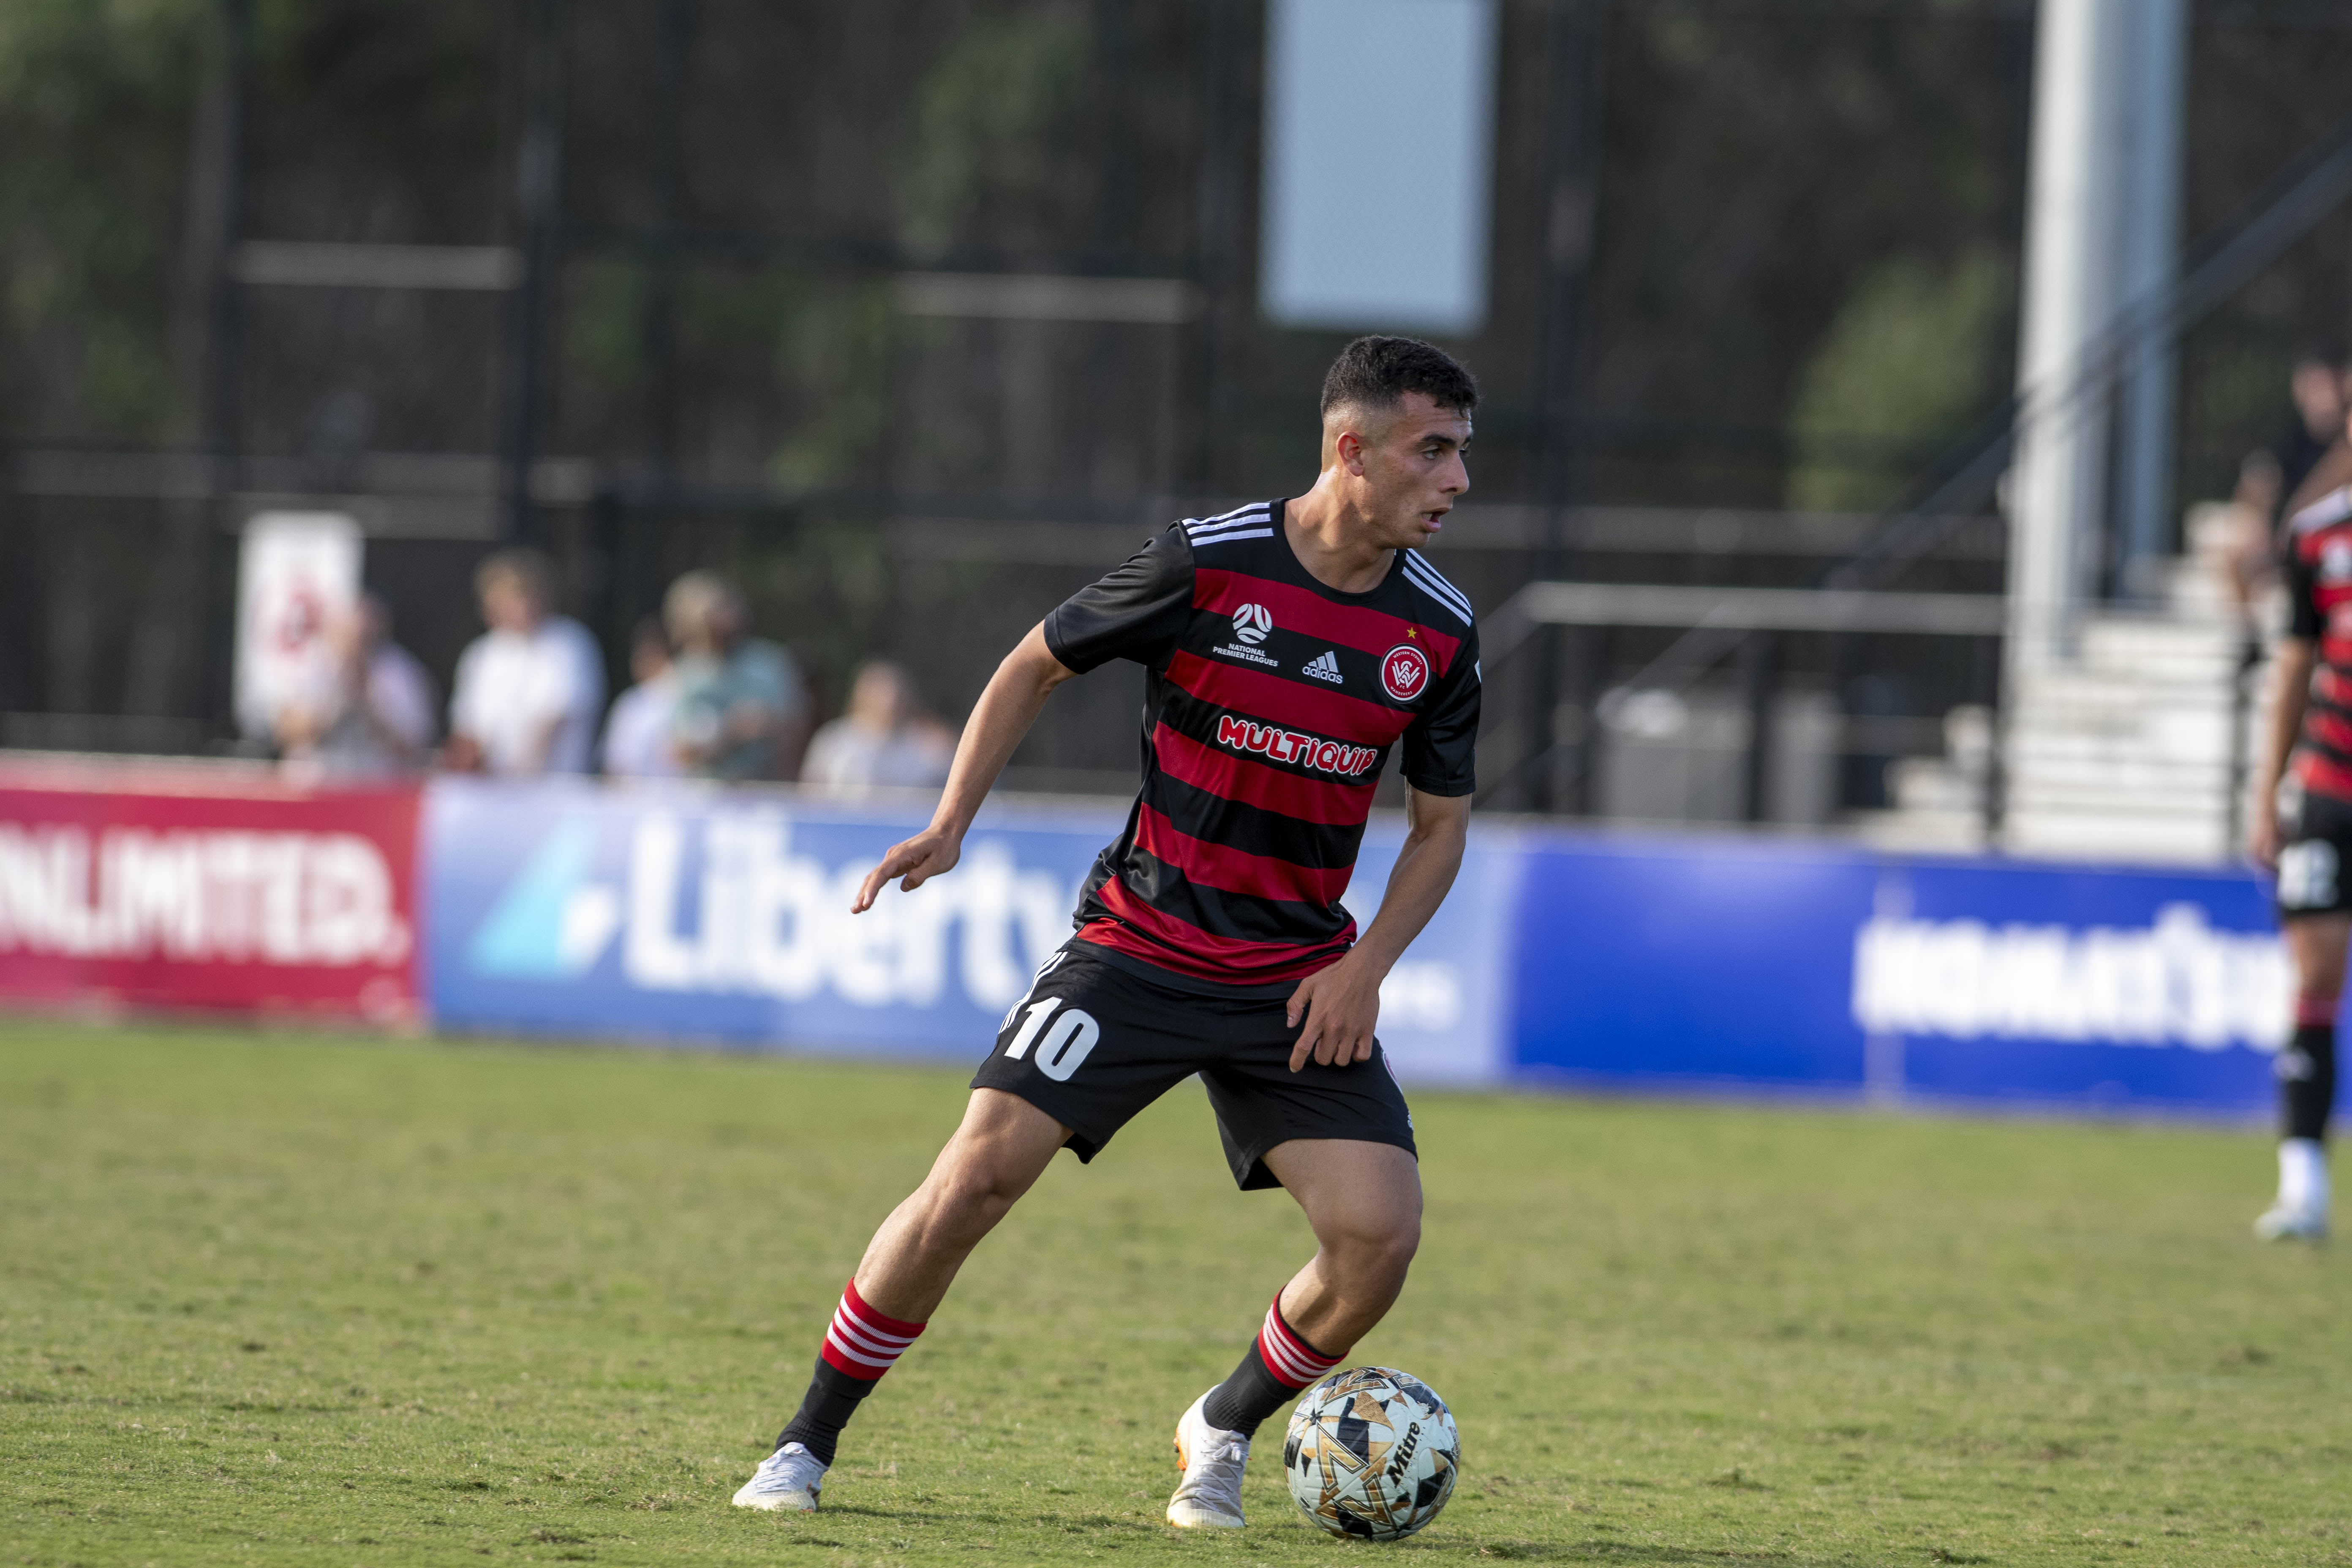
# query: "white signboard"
{"type": "Point", "coordinates": [1380, 132]}
{"type": "Point", "coordinates": [298, 579]}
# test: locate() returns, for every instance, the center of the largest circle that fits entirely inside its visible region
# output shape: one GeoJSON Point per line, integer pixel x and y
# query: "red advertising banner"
{"type": "Point", "coordinates": [156, 885]}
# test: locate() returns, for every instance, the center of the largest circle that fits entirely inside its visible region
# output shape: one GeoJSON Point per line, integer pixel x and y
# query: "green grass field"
{"type": "Point", "coordinates": [290, 1300]}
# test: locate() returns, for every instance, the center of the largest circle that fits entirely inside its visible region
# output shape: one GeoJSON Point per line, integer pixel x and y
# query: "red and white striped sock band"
{"type": "Point", "coordinates": [862, 1342]}
{"type": "Point", "coordinates": [1293, 1362]}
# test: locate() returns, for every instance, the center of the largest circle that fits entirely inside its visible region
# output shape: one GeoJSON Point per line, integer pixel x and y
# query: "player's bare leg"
{"type": "Point", "coordinates": [2307, 1071]}
{"type": "Point", "coordinates": [996, 1156]}
{"type": "Point", "coordinates": [1363, 1201]}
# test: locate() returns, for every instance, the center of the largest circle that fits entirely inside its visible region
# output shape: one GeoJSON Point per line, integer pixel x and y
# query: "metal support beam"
{"type": "Point", "coordinates": [222, 421]}
{"type": "Point", "coordinates": [2102, 249]}
{"type": "Point", "coordinates": [1216, 235]}
{"type": "Point", "coordinates": [2148, 258]}
{"type": "Point", "coordinates": [2058, 488]}
{"type": "Point", "coordinates": [657, 325]}
{"type": "Point", "coordinates": [1742, 610]}
{"type": "Point", "coordinates": [1573, 34]}
{"type": "Point", "coordinates": [538, 197]}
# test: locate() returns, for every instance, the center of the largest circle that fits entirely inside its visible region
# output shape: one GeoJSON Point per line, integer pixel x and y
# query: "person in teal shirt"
{"type": "Point", "coordinates": [743, 710]}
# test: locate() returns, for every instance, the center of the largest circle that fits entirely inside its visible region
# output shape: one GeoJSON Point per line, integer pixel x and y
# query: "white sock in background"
{"type": "Point", "coordinates": [2303, 1175]}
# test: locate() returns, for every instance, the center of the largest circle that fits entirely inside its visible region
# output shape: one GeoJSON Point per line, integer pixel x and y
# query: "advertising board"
{"type": "Point", "coordinates": [1732, 966]}
{"type": "Point", "coordinates": [207, 889]}
{"type": "Point", "coordinates": [1748, 966]}
{"type": "Point", "coordinates": [680, 912]}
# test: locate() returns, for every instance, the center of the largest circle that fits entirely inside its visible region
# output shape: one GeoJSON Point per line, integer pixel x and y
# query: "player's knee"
{"type": "Point", "coordinates": [1374, 1256]}
{"type": "Point", "coordinates": [971, 1196]}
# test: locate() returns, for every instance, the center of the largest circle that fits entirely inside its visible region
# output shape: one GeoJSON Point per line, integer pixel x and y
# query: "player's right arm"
{"type": "Point", "coordinates": [1016, 695]}
{"type": "Point", "coordinates": [2290, 692]}
{"type": "Point", "coordinates": [1135, 612]}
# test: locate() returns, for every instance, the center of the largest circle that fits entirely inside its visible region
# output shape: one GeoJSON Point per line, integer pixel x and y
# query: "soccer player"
{"type": "Point", "coordinates": [2302, 824]}
{"type": "Point", "coordinates": [1290, 646]}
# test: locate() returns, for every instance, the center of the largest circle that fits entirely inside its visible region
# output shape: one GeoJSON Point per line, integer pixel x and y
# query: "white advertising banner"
{"type": "Point", "coordinates": [297, 578]}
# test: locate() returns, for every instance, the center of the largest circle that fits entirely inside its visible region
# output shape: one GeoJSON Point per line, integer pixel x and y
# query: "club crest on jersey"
{"type": "Point", "coordinates": [1404, 671]}
{"type": "Point", "coordinates": [1272, 741]}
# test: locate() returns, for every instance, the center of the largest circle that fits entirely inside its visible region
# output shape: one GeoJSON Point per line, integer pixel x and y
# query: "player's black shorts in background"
{"type": "Point", "coordinates": [2316, 852]}
{"type": "Point", "coordinates": [1094, 1043]}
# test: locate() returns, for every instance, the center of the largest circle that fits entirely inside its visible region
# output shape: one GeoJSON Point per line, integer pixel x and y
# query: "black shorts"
{"type": "Point", "coordinates": [1094, 1043]}
{"type": "Point", "coordinates": [2317, 848]}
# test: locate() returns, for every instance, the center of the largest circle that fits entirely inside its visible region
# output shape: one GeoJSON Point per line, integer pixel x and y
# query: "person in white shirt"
{"type": "Point", "coordinates": [883, 742]}
{"type": "Point", "coordinates": [529, 690]}
{"type": "Point", "coordinates": [637, 731]}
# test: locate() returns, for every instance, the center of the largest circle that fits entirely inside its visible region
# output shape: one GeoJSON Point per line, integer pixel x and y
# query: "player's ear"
{"type": "Point", "coordinates": [1349, 449]}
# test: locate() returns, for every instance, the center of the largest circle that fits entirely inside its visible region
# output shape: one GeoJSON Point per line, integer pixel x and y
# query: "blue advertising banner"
{"type": "Point", "coordinates": [680, 912]}
{"type": "Point", "coordinates": [1728, 965]}
{"type": "Point", "coordinates": [1756, 966]}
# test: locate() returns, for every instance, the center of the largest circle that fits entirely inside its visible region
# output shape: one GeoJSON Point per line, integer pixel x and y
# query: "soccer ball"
{"type": "Point", "coordinates": [1371, 1453]}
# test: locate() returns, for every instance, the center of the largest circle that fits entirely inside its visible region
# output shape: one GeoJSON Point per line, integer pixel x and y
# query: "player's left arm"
{"type": "Point", "coordinates": [1341, 1004]}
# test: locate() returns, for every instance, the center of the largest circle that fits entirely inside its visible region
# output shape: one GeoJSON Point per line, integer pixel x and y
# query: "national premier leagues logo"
{"type": "Point", "coordinates": [1404, 671]}
{"type": "Point", "coordinates": [1253, 623]}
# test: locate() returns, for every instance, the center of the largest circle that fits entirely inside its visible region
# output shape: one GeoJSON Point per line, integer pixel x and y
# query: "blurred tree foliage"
{"type": "Point", "coordinates": [96, 99]}
{"type": "Point", "coordinates": [1806, 222]}
{"type": "Point", "coordinates": [994, 139]}
{"type": "Point", "coordinates": [1914, 356]}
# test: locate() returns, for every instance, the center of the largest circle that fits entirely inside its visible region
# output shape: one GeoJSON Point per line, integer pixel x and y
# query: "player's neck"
{"type": "Point", "coordinates": [1334, 541]}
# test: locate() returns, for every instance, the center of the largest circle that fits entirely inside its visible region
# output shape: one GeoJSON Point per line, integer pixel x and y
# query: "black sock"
{"type": "Point", "coordinates": [1279, 1363]}
{"type": "Point", "coordinates": [831, 1400]}
{"type": "Point", "coordinates": [2306, 1074]}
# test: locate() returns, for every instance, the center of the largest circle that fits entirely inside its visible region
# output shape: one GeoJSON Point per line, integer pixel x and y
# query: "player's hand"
{"type": "Point", "coordinates": [931, 853]}
{"type": "Point", "coordinates": [2262, 836]}
{"type": "Point", "coordinates": [1341, 1006]}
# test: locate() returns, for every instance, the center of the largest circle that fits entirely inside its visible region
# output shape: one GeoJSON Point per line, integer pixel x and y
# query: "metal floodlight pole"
{"type": "Point", "coordinates": [223, 416]}
{"type": "Point", "coordinates": [1572, 77]}
{"type": "Point", "coordinates": [1216, 221]}
{"type": "Point", "coordinates": [539, 195]}
{"type": "Point", "coordinates": [674, 28]}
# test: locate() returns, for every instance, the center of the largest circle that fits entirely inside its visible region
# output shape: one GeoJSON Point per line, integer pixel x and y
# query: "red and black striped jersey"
{"type": "Point", "coordinates": [1272, 703]}
{"type": "Point", "coordinates": [2318, 565]}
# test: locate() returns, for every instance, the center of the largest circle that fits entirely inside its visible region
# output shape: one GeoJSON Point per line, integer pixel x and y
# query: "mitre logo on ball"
{"type": "Point", "coordinates": [1404, 671]}
{"type": "Point", "coordinates": [1372, 1452]}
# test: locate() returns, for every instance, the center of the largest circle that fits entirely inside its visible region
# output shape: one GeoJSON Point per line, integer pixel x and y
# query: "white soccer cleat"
{"type": "Point", "coordinates": [1212, 1458]}
{"type": "Point", "coordinates": [787, 1481]}
{"type": "Point", "coordinates": [2282, 1222]}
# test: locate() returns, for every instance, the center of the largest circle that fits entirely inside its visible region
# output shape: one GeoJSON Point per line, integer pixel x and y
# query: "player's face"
{"type": "Point", "coordinates": [1413, 471]}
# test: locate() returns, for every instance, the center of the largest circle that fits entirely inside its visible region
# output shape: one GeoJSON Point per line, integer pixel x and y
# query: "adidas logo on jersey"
{"type": "Point", "coordinates": [1325, 666]}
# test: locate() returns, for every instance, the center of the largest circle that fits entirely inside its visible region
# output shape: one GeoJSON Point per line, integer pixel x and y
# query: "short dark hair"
{"type": "Point", "coordinates": [2327, 352]}
{"type": "Point", "coordinates": [1377, 371]}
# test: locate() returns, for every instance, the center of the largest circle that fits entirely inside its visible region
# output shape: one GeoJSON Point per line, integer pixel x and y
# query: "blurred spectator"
{"type": "Point", "coordinates": [377, 718]}
{"type": "Point", "coordinates": [2316, 386]}
{"type": "Point", "coordinates": [2251, 550]}
{"type": "Point", "coordinates": [529, 690]}
{"type": "Point", "coordinates": [637, 731]}
{"type": "Point", "coordinates": [2309, 458]}
{"type": "Point", "coordinates": [741, 712]}
{"type": "Point", "coordinates": [883, 741]}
